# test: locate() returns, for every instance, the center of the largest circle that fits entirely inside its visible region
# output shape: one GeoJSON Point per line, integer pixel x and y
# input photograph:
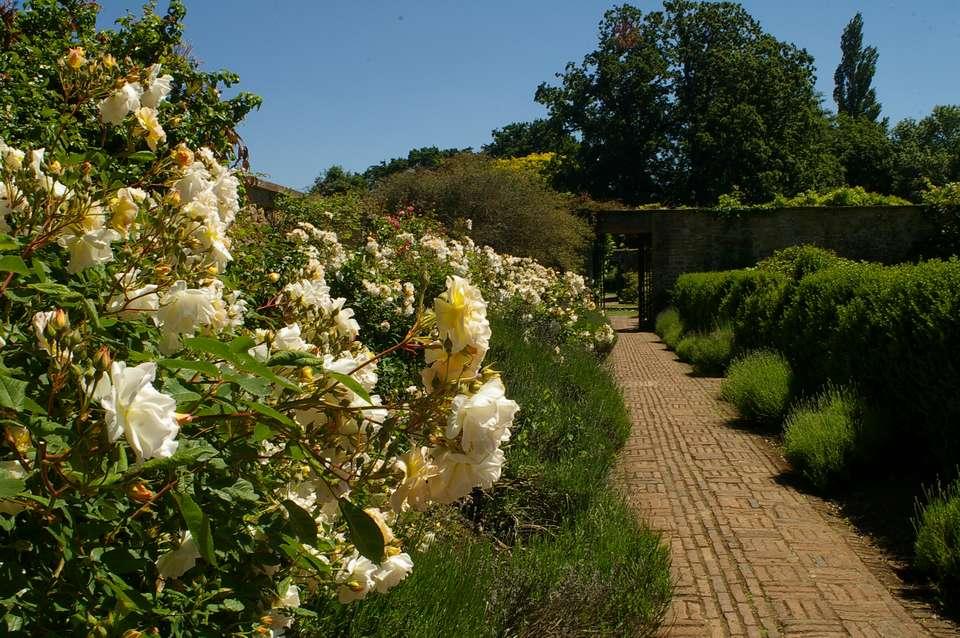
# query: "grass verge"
{"type": "Point", "coordinates": [552, 550]}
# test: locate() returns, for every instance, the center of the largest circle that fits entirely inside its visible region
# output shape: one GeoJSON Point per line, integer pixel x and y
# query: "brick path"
{"type": "Point", "coordinates": [751, 556]}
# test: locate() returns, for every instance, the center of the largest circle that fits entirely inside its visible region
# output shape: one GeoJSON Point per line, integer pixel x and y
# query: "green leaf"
{"type": "Point", "coordinates": [365, 534]}
{"type": "Point", "coordinates": [92, 313]}
{"type": "Point", "coordinates": [13, 263]}
{"type": "Point", "coordinates": [301, 523]}
{"type": "Point", "coordinates": [188, 453]}
{"type": "Point", "coordinates": [210, 346]}
{"type": "Point", "coordinates": [10, 487]}
{"type": "Point", "coordinates": [242, 490]}
{"type": "Point", "coordinates": [198, 524]}
{"type": "Point", "coordinates": [142, 156]}
{"type": "Point", "coordinates": [56, 290]}
{"type": "Point", "coordinates": [267, 411]}
{"type": "Point", "coordinates": [350, 383]}
{"type": "Point", "coordinates": [290, 358]}
{"type": "Point", "coordinates": [261, 432]}
{"type": "Point", "coordinates": [188, 364]}
{"type": "Point", "coordinates": [240, 358]}
{"type": "Point", "coordinates": [8, 243]}
{"type": "Point", "coordinates": [242, 344]}
{"type": "Point", "coordinates": [12, 392]}
{"type": "Point", "coordinates": [232, 604]}
{"type": "Point", "coordinates": [254, 385]}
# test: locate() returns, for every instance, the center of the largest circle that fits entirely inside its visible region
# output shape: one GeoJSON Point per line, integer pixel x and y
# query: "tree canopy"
{"type": "Point", "coordinates": [691, 102]}
{"type": "Point", "coordinates": [854, 75]}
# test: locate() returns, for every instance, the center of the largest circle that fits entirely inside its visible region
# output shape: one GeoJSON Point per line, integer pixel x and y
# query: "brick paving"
{"type": "Point", "coordinates": [752, 556]}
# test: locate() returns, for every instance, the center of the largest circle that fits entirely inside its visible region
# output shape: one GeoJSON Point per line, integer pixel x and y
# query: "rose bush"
{"type": "Point", "coordinates": [189, 448]}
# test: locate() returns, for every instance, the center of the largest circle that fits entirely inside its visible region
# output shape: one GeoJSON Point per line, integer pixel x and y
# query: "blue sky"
{"type": "Point", "coordinates": [354, 82]}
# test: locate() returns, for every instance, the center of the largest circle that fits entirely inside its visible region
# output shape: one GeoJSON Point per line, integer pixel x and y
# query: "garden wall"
{"type": "Point", "coordinates": [700, 240]}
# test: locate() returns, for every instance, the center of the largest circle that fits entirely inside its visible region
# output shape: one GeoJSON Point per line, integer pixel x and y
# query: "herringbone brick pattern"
{"type": "Point", "coordinates": [751, 556]}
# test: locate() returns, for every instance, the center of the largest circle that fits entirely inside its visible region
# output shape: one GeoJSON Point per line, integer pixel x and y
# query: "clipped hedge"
{"type": "Point", "coordinates": [891, 331]}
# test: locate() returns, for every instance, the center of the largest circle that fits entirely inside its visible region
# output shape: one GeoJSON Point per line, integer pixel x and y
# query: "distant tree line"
{"type": "Point", "coordinates": [695, 101]}
{"type": "Point", "coordinates": [693, 104]}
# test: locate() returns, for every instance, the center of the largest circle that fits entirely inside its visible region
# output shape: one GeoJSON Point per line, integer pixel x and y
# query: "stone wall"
{"type": "Point", "coordinates": [696, 240]}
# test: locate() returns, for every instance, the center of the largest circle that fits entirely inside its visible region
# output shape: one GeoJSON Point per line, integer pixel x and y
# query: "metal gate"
{"type": "Point", "coordinates": [645, 281]}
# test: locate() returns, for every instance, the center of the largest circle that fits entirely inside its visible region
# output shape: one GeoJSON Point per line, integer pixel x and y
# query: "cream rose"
{"type": "Point", "coordinates": [139, 412]}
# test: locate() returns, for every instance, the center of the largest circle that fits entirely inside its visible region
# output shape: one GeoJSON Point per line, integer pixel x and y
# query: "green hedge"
{"type": "Point", "coordinates": [893, 332]}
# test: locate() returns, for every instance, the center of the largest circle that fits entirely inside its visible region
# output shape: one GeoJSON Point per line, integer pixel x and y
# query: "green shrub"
{"type": "Point", "coordinates": [797, 262]}
{"type": "Point", "coordinates": [708, 353]}
{"type": "Point", "coordinates": [698, 296]}
{"type": "Point", "coordinates": [513, 212]}
{"type": "Point", "coordinates": [842, 196]}
{"type": "Point", "coordinates": [669, 327]}
{"type": "Point", "coordinates": [759, 384]}
{"type": "Point", "coordinates": [937, 548]}
{"type": "Point", "coordinates": [630, 291]}
{"type": "Point", "coordinates": [821, 436]}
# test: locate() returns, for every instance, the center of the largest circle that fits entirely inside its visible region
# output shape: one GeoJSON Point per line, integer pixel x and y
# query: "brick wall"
{"type": "Point", "coordinates": [696, 240]}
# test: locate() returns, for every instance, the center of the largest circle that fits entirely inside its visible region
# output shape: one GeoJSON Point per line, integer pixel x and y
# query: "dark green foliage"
{"type": "Point", "coordinates": [708, 353]}
{"type": "Point", "coordinates": [937, 547]}
{"type": "Point", "coordinates": [797, 262]}
{"type": "Point", "coordinates": [514, 212]}
{"type": "Point", "coordinates": [943, 205]}
{"type": "Point", "coordinates": [760, 385]}
{"type": "Point", "coordinates": [852, 91]}
{"type": "Point", "coordinates": [523, 138]}
{"type": "Point", "coordinates": [425, 157]}
{"type": "Point", "coordinates": [630, 292]}
{"type": "Point", "coordinates": [891, 330]}
{"type": "Point", "coordinates": [687, 103]}
{"type": "Point", "coordinates": [669, 327]}
{"type": "Point", "coordinates": [707, 299]}
{"type": "Point", "coordinates": [927, 151]}
{"type": "Point", "coordinates": [865, 151]}
{"type": "Point", "coordinates": [823, 437]}
{"type": "Point", "coordinates": [336, 181]}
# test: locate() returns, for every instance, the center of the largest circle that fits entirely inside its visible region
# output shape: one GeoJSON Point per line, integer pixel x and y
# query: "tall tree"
{"type": "Point", "coordinates": [523, 138]}
{"type": "Point", "coordinates": [854, 75]}
{"type": "Point", "coordinates": [689, 103]}
{"type": "Point", "coordinates": [927, 151]}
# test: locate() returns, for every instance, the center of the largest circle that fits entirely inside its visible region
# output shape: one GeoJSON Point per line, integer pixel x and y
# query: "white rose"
{"type": "Point", "coordinates": [36, 158]}
{"type": "Point", "coordinates": [414, 490]}
{"type": "Point", "coordinates": [391, 571]}
{"type": "Point", "coordinates": [288, 338]}
{"type": "Point", "coordinates": [355, 579]}
{"type": "Point", "coordinates": [462, 315]}
{"type": "Point", "coordinates": [13, 158]}
{"type": "Point", "coordinates": [124, 100]}
{"type": "Point", "coordinates": [90, 248]}
{"type": "Point", "coordinates": [482, 420]}
{"type": "Point", "coordinates": [458, 474]}
{"type": "Point", "coordinates": [182, 311]}
{"type": "Point", "coordinates": [177, 562]}
{"type": "Point", "coordinates": [157, 89]}
{"type": "Point", "coordinates": [40, 321]}
{"type": "Point", "coordinates": [135, 409]}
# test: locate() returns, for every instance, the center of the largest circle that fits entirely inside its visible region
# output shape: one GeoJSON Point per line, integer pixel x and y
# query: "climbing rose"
{"type": "Point", "coordinates": [177, 562]}
{"type": "Point", "coordinates": [157, 89]}
{"type": "Point", "coordinates": [135, 409]}
{"type": "Point", "coordinates": [147, 119]}
{"type": "Point", "coordinates": [124, 100]}
{"type": "Point", "coordinates": [482, 420]}
{"type": "Point", "coordinates": [458, 474]}
{"type": "Point", "coordinates": [462, 315]}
